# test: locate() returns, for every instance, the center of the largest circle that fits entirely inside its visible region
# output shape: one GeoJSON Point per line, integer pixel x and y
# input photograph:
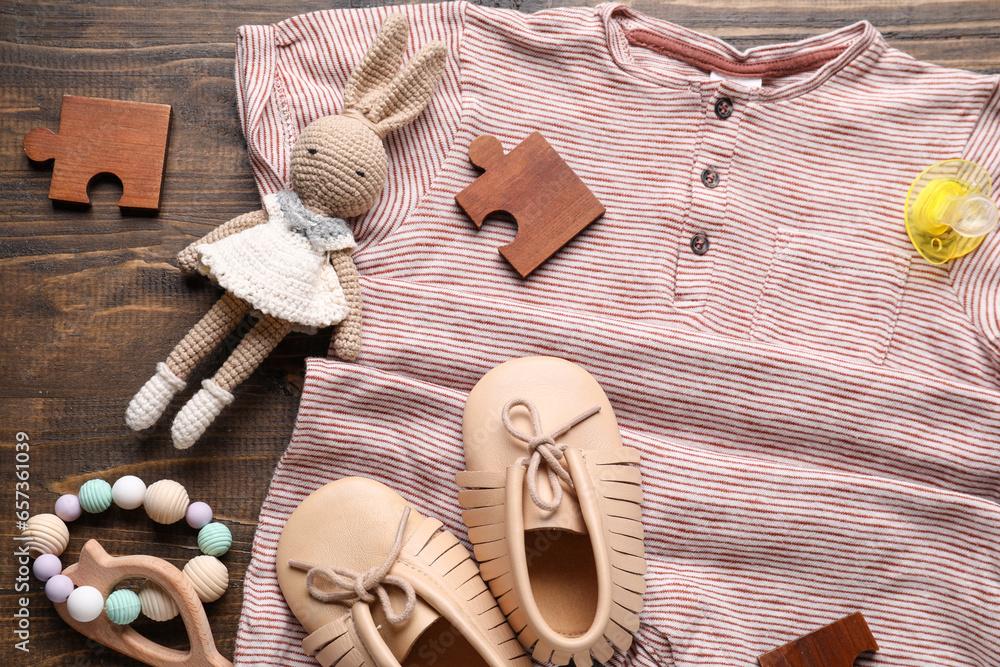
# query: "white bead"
{"type": "Point", "coordinates": [47, 534]}
{"type": "Point", "coordinates": [128, 492]}
{"type": "Point", "coordinates": [209, 576]}
{"type": "Point", "coordinates": [85, 604]}
{"type": "Point", "coordinates": [166, 501]}
{"type": "Point", "coordinates": [156, 604]}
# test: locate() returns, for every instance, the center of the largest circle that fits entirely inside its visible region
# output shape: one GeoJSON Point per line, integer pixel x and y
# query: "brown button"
{"type": "Point", "coordinates": [710, 177]}
{"type": "Point", "coordinates": [699, 243]}
{"type": "Point", "coordinates": [724, 108]}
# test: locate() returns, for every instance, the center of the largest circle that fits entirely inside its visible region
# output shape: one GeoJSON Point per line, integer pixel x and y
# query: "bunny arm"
{"type": "Point", "coordinates": [347, 337]}
{"type": "Point", "coordinates": [187, 259]}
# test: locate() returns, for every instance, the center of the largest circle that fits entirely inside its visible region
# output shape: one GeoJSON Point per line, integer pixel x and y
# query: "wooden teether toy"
{"type": "Point", "coordinates": [127, 139]}
{"type": "Point", "coordinates": [836, 645]}
{"type": "Point", "coordinates": [103, 572]}
{"type": "Point", "coordinates": [536, 186]}
{"type": "Point", "coordinates": [84, 593]}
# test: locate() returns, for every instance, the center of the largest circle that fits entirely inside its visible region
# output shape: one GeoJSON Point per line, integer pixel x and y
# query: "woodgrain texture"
{"type": "Point", "coordinates": [536, 186]}
{"type": "Point", "coordinates": [92, 299]}
{"type": "Point", "coordinates": [124, 139]}
{"type": "Point", "coordinates": [835, 645]}
{"type": "Point", "coordinates": [96, 568]}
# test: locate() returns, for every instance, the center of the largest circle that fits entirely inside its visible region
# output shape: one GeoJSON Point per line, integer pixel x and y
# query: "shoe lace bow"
{"type": "Point", "coordinates": [366, 586]}
{"type": "Point", "coordinates": [543, 447]}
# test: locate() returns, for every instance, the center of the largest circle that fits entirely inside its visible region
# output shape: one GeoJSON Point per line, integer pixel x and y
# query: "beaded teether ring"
{"type": "Point", "coordinates": [165, 502]}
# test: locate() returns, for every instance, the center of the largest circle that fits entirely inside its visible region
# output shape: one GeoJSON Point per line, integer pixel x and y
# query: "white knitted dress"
{"type": "Point", "coordinates": [282, 267]}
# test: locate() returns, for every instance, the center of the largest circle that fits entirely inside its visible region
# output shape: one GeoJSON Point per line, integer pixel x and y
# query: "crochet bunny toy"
{"type": "Point", "coordinates": [290, 263]}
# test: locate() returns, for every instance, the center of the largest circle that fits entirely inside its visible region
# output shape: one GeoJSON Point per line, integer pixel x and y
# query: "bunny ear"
{"type": "Point", "coordinates": [379, 65]}
{"type": "Point", "coordinates": [410, 91]}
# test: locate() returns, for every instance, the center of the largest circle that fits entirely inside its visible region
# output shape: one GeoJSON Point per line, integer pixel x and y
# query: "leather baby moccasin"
{"type": "Point", "coordinates": [552, 502]}
{"type": "Point", "coordinates": [375, 583]}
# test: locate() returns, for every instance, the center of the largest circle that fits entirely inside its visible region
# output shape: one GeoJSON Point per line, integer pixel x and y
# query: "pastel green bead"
{"type": "Point", "coordinates": [215, 539]}
{"type": "Point", "coordinates": [95, 496]}
{"type": "Point", "coordinates": [122, 606]}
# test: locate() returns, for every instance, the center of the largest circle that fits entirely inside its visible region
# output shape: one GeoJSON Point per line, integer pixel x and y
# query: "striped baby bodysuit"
{"type": "Point", "coordinates": [817, 407]}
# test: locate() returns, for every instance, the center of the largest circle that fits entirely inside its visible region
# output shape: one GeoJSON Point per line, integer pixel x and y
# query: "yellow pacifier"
{"type": "Point", "coordinates": [949, 211]}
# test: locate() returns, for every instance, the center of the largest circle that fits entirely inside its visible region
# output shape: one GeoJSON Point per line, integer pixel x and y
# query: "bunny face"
{"type": "Point", "coordinates": [338, 166]}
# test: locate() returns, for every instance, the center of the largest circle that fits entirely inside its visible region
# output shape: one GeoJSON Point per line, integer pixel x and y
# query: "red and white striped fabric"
{"type": "Point", "coordinates": [817, 407]}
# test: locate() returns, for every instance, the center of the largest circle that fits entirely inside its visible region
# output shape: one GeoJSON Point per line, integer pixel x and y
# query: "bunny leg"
{"type": "Point", "coordinates": [207, 334]}
{"type": "Point", "coordinates": [252, 350]}
{"type": "Point", "coordinates": [150, 402]}
{"type": "Point", "coordinates": [216, 393]}
{"type": "Point", "coordinates": [347, 336]}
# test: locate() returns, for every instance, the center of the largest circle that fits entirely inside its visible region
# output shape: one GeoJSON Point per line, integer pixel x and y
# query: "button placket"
{"type": "Point", "coordinates": [705, 229]}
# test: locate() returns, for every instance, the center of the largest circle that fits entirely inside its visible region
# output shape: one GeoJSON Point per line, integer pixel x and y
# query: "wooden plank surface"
{"type": "Point", "coordinates": [91, 299]}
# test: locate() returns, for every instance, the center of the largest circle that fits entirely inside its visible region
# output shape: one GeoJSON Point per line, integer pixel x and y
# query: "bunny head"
{"type": "Point", "coordinates": [338, 164]}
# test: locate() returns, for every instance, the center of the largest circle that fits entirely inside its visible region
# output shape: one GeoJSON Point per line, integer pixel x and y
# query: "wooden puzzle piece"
{"type": "Point", "coordinates": [127, 139]}
{"type": "Point", "coordinates": [96, 568]}
{"type": "Point", "coordinates": [532, 183]}
{"type": "Point", "coordinates": [836, 645]}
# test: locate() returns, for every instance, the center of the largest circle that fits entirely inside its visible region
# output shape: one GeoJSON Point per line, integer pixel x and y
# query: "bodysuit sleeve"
{"type": "Point", "coordinates": [976, 277]}
{"type": "Point", "coordinates": [290, 73]}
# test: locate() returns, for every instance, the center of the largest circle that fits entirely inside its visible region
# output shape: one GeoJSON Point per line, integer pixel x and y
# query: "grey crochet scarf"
{"type": "Point", "coordinates": [326, 234]}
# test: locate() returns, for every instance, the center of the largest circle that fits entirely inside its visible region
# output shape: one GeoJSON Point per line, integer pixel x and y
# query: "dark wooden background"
{"type": "Point", "coordinates": [91, 299]}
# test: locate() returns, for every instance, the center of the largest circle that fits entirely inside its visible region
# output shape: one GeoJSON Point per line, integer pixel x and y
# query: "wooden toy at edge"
{"type": "Point", "coordinates": [97, 136]}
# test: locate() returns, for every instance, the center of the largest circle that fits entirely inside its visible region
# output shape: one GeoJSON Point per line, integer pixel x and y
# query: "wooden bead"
{"type": "Point", "coordinates": [166, 501]}
{"type": "Point", "coordinates": [156, 604]}
{"type": "Point", "coordinates": [47, 534]}
{"type": "Point", "coordinates": [209, 576]}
